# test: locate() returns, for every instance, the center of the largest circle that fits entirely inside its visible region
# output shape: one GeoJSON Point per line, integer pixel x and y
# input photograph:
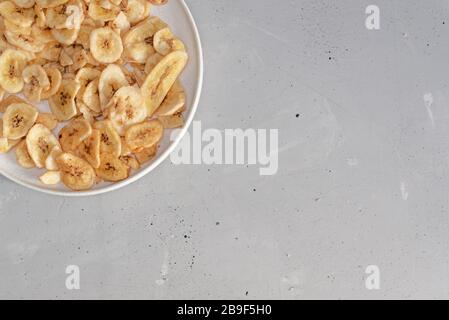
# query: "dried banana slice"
{"type": "Point", "coordinates": [22, 17]}
{"type": "Point", "coordinates": [62, 104]}
{"type": "Point", "coordinates": [48, 120]}
{"type": "Point", "coordinates": [65, 36]}
{"type": "Point", "coordinates": [112, 168]}
{"type": "Point", "coordinates": [18, 120]}
{"type": "Point", "coordinates": [12, 63]}
{"type": "Point", "coordinates": [50, 162]}
{"type": "Point", "coordinates": [165, 42]}
{"type": "Point", "coordinates": [55, 79]}
{"type": "Point", "coordinates": [91, 97]}
{"type": "Point", "coordinates": [174, 102]}
{"type": "Point", "coordinates": [138, 41]}
{"type": "Point", "coordinates": [76, 173]}
{"type": "Point", "coordinates": [121, 23]}
{"type": "Point", "coordinates": [89, 149]}
{"type": "Point", "coordinates": [109, 138]}
{"type": "Point", "coordinates": [5, 143]}
{"type": "Point", "coordinates": [71, 136]}
{"type": "Point", "coordinates": [24, 42]}
{"type": "Point", "coordinates": [112, 78]}
{"type": "Point", "coordinates": [14, 28]}
{"type": "Point", "coordinates": [84, 76]}
{"type": "Point", "coordinates": [23, 157]}
{"type": "Point", "coordinates": [172, 122]}
{"type": "Point", "coordinates": [36, 81]}
{"type": "Point", "coordinates": [50, 177]}
{"type": "Point", "coordinates": [152, 61]}
{"type": "Point", "coordinates": [106, 45]}
{"type": "Point", "coordinates": [161, 79]}
{"type": "Point", "coordinates": [126, 108]}
{"type": "Point", "coordinates": [103, 10]}
{"type": "Point", "coordinates": [40, 142]}
{"type": "Point", "coordinates": [144, 135]}
{"type": "Point", "coordinates": [130, 161]}
{"type": "Point", "coordinates": [136, 10]}
{"type": "Point", "coordinates": [146, 154]}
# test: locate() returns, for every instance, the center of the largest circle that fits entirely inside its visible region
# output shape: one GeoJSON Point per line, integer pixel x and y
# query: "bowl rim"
{"type": "Point", "coordinates": [163, 156]}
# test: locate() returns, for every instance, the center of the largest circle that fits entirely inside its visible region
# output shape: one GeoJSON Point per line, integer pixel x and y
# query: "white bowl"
{"type": "Point", "coordinates": [178, 16]}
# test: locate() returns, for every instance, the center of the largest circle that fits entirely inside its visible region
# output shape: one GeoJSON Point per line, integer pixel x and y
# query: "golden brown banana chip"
{"type": "Point", "coordinates": [105, 45]}
{"type": "Point", "coordinates": [162, 78]}
{"type": "Point", "coordinates": [172, 122]}
{"type": "Point", "coordinates": [12, 63]}
{"type": "Point", "coordinates": [62, 103]}
{"type": "Point", "coordinates": [50, 177]}
{"type": "Point", "coordinates": [23, 157]}
{"type": "Point", "coordinates": [144, 135]}
{"type": "Point", "coordinates": [55, 79]}
{"type": "Point", "coordinates": [174, 102]}
{"type": "Point", "coordinates": [76, 173]}
{"type": "Point", "coordinates": [40, 142]}
{"type": "Point", "coordinates": [112, 168]}
{"type": "Point", "coordinates": [126, 108]}
{"type": "Point", "coordinates": [109, 138]}
{"type": "Point", "coordinates": [89, 149]}
{"type": "Point", "coordinates": [36, 82]}
{"type": "Point", "coordinates": [20, 16]}
{"type": "Point", "coordinates": [50, 162]}
{"type": "Point", "coordinates": [165, 42]}
{"type": "Point", "coordinates": [138, 41]}
{"type": "Point", "coordinates": [130, 161]}
{"type": "Point", "coordinates": [146, 154]}
{"type": "Point", "coordinates": [18, 120]}
{"type": "Point", "coordinates": [6, 144]}
{"type": "Point", "coordinates": [71, 136]}
{"type": "Point", "coordinates": [112, 78]}
{"type": "Point", "coordinates": [48, 120]}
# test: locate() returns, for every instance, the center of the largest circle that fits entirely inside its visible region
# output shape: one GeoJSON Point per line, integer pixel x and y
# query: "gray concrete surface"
{"type": "Point", "coordinates": [363, 171]}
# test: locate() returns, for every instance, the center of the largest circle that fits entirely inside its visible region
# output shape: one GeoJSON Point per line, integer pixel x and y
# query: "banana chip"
{"type": "Point", "coordinates": [62, 103]}
{"type": "Point", "coordinates": [144, 135]}
{"type": "Point", "coordinates": [126, 108]}
{"type": "Point", "coordinates": [112, 168]}
{"type": "Point", "coordinates": [12, 63]}
{"type": "Point", "coordinates": [71, 136]}
{"type": "Point", "coordinates": [40, 142]}
{"type": "Point", "coordinates": [138, 41]}
{"type": "Point", "coordinates": [18, 120]}
{"type": "Point", "coordinates": [23, 157]}
{"type": "Point", "coordinates": [165, 42]}
{"type": "Point", "coordinates": [174, 102]}
{"type": "Point", "coordinates": [112, 78]}
{"type": "Point", "coordinates": [76, 173]}
{"type": "Point", "coordinates": [6, 144]}
{"type": "Point", "coordinates": [36, 81]}
{"type": "Point", "coordinates": [110, 141]}
{"type": "Point", "coordinates": [162, 78]}
{"type": "Point", "coordinates": [50, 177]}
{"type": "Point", "coordinates": [48, 120]}
{"type": "Point", "coordinates": [89, 149]}
{"type": "Point", "coordinates": [106, 45]}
